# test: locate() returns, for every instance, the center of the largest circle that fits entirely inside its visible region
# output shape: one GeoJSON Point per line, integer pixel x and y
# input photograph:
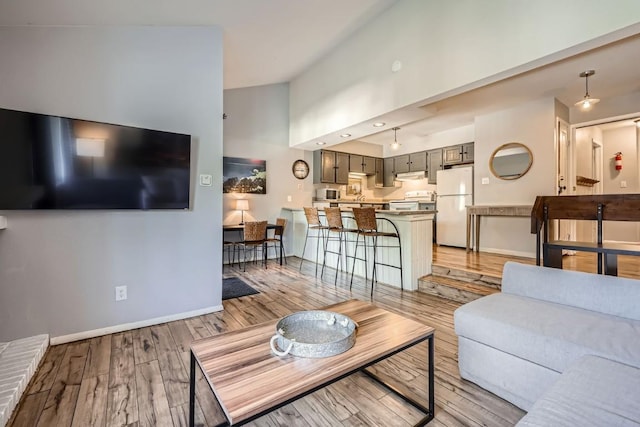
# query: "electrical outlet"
{"type": "Point", "coordinates": [289, 198]}
{"type": "Point", "coordinates": [623, 184]}
{"type": "Point", "coordinates": [121, 293]}
{"type": "Point", "coordinates": [206, 180]}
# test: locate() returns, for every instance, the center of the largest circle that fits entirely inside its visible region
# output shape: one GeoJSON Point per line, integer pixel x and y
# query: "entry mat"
{"type": "Point", "coordinates": [233, 287]}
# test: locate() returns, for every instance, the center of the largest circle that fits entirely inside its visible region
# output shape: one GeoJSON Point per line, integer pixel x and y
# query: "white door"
{"type": "Point", "coordinates": [566, 228]}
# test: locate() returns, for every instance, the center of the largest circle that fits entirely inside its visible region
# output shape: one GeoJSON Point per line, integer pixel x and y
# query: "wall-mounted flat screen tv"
{"type": "Point", "coordinates": [50, 162]}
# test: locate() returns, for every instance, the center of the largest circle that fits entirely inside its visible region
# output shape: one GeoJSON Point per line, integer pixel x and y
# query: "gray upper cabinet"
{"type": "Point", "coordinates": [330, 167]}
{"type": "Point", "coordinates": [458, 154]}
{"type": "Point", "coordinates": [362, 164]}
{"type": "Point", "coordinates": [369, 165]}
{"type": "Point", "coordinates": [435, 164]}
{"type": "Point", "coordinates": [467, 152]}
{"type": "Point", "coordinates": [389, 173]}
{"type": "Point", "coordinates": [401, 164]}
{"type": "Point", "coordinates": [355, 163]}
{"type": "Point", "coordinates": [418, 161]}
{"type": "Point", "coordinates": [342, 168]}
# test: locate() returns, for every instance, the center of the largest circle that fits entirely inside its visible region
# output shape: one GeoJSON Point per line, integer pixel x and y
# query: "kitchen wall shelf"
{"type": "Point", "coordinates": [587, 182]}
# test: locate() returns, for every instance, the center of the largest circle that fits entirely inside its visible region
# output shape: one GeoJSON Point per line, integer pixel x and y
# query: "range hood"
{"type": "Point", "coordinates": [410, 176]}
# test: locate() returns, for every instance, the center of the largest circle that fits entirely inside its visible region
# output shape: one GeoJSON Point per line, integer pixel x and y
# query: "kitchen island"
{"type": "Point", "coordinates": [415, 229]}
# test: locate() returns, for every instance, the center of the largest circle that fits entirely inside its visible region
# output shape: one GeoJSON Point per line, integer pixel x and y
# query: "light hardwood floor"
{"type": "Point", "coordinates": [140, 377]}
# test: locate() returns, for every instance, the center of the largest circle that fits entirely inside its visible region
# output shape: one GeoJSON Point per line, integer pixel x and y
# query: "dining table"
{"type": "Point", "coordinates": [239, 228]}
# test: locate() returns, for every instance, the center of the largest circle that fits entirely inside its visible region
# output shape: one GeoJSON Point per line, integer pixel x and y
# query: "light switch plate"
{"type": "Point", "coordinates": [623, 184]}
{"type": "Point", "coordinates": [485, 180]}
{"type": "Point", "coordinates": [206, 180]}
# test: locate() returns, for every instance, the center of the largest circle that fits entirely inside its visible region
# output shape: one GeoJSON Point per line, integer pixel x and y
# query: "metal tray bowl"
{"type": "Point", "coordinates": [314, 333]}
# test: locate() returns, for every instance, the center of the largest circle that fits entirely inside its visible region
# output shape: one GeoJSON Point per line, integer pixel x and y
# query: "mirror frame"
{"type": "Point", "coordinates": [510, 145]}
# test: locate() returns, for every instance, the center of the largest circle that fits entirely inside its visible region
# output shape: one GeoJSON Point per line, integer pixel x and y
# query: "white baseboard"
{"type": "Point", "coordinates": [134, 325]}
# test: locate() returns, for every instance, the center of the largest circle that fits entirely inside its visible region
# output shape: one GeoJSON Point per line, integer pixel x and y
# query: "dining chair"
{"type": "Point", "coordinates": [254, 237]}
{"type": "Point", "coordinates": [276, 241]}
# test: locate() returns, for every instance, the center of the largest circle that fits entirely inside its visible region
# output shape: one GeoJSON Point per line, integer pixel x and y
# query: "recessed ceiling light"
{"type": "Point", "coordinates": [345, 135]}
{"type": "Point", "coordinates": [378, 124]}
{"type": "Point", "coordinates": [320, 143]}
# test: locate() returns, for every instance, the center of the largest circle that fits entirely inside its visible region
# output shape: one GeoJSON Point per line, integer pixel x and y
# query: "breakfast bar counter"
{"type": "Point", "coordinates": [416, 235]}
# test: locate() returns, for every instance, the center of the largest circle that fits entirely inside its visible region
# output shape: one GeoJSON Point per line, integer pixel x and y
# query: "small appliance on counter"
{"type": "Point", "coordinates": [327, 194]}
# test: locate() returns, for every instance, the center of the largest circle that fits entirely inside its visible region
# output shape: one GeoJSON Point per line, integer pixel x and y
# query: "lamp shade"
{"type": "Point", "coordinates": [242, 205]}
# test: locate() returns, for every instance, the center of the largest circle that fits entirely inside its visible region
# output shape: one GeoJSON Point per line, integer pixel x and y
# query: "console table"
{"type": "Point", "coordinates": [476, 211]}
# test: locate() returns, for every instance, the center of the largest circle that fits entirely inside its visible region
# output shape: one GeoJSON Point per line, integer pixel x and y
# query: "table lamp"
{"type": "Point", "coordinates": [242, 205]}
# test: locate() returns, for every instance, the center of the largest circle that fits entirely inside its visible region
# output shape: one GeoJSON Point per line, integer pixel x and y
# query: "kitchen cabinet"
{"type": "Point", "coordinates": [362, 164]}
{"type": "Point", "coordinates": [458, 154]}
{"type": "Point", "coordinates": [435, 164]}
{"type": "Point", "coordinates": [401, 164]}
{"type": "Point", "coordinates": [418, 161]}
{"type": "Point", "coordinates": [414, 162]}
{"type": "Point", "coordinates": [330, 167]}
{"type": "Point", "coordinates": [389, 172]}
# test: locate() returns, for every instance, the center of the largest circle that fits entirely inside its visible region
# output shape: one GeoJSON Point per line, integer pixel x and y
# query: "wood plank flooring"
{"type": "Point", "coordinates": [140, 377]}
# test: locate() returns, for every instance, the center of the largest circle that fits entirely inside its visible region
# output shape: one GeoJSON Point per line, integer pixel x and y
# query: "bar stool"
{"type": "Point", "coordinates": [367, 224]}
{"type": "Point", "coordinates": [335, 224]}
{"type": "Point", "coordinates": [313, 223]}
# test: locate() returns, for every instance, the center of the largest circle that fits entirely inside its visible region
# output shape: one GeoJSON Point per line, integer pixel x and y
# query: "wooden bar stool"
{"type": "Point", "coordinates": [335, 224]}
{"type": "Point", "coordinates": [367, 224]}
{"type": "Point", "coordinates": [314, 224]}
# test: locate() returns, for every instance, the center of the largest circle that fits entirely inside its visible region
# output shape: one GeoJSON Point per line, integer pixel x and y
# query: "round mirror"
{"type": "Point", "coordinates": [511, 161]}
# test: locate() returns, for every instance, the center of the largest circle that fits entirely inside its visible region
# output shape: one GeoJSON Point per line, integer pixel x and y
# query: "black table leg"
{"type": "Point", "coordinates": [192, 390]}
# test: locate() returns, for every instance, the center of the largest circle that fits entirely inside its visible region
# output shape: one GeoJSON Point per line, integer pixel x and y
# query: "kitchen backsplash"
{"type": "Point", "coordinates": [380, 193]}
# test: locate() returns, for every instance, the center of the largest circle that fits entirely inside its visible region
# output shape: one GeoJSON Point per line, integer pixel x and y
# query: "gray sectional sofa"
{"type": "Point", "coordinates": [549, 334]}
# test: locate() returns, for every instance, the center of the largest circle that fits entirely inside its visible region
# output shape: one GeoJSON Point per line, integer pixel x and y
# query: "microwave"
{"type": "Point", "coordinates": [327, 194]}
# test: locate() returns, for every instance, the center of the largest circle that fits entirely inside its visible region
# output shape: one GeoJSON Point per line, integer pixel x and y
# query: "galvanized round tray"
{"type": "Point", "coordinates": [314, 333]}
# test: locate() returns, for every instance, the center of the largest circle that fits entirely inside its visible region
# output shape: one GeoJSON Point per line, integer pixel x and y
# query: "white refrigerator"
{"type": "Point", "coordinates": [454, 194]}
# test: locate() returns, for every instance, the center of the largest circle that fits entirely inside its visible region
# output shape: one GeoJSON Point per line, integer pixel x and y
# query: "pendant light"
{"type": "Point", "coordinates": [395, 145]}
{"type": "Point", "coordinates": [587, 102]}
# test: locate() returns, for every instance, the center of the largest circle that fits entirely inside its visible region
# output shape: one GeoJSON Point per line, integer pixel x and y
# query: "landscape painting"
{"type": "Point", "coordinates": [244, 175]}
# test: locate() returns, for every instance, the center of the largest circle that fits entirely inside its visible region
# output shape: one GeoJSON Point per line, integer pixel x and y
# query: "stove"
{"type": "Point", "coordinates": [414, 200]}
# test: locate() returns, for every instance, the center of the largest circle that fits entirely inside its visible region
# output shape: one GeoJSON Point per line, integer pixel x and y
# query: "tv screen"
{"type": "Point", "coordinates": [50, 162]}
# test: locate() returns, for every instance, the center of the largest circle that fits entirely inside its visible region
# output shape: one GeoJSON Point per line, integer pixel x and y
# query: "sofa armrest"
{"type": "Point", "coordinates": [596, 292]}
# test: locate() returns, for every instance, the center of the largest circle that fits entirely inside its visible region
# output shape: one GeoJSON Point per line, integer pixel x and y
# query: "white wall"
{"type": "Point", "coordinates": [58, 269]}
{"type": "Point", "coordinates": [257, 127]}
{"type": "Point", "coordinates": [623, 139]}
{"type": "Point", "coordinates": [443, 46]}
{"type": "Point", "coordinates": [531, 124]}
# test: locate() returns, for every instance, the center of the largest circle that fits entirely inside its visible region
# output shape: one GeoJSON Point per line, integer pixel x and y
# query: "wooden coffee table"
{"type": "Point", "coordinates": [249, 381]}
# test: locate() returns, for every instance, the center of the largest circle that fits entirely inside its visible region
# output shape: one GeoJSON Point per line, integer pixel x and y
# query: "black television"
{"type": "Point", "coordinates": [51, 162]}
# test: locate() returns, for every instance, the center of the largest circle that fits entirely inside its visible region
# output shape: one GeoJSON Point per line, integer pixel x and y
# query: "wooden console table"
{"type": "Point", "coordinates": [476, 211]}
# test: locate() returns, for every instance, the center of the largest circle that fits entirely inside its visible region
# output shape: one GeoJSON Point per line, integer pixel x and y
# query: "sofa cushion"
{"type": "Point", "coordinates": [606, 294]}
{"type": "Point", "coordinates": [592, 392]}
{"type": "Point", "coordinates": [552, 335]}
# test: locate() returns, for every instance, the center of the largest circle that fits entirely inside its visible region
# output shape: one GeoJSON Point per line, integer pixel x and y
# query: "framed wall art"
{"type": "Point", "coordinates": [244, 175]}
